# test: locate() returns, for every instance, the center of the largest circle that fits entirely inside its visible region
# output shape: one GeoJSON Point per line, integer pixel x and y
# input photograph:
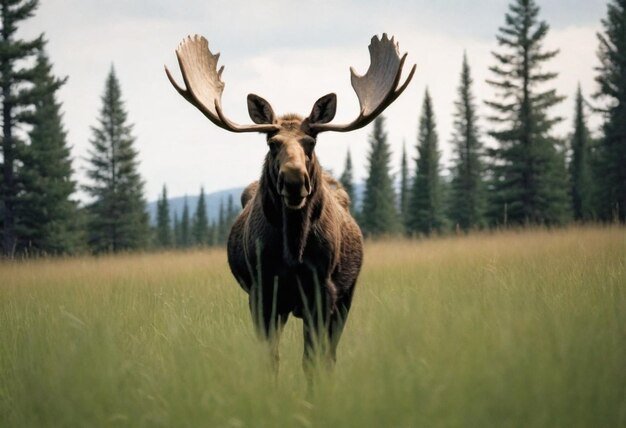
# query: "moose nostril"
{"type": "Point", "coordinates": [307, 184]}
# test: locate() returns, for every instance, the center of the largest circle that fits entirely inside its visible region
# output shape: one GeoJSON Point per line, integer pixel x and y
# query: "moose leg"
{"type": "Point", "coordinates": [316, 319]}
{"type": "Point", "coordinates": [267, 321]}
{"type": "Point", "coordinates": [338, 320]}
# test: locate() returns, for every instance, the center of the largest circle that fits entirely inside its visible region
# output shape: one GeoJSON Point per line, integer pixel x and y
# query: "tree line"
{"type": "Point", "coordinates": [195, 230]}
{"type": "Point", "coordinates": [528, 177]}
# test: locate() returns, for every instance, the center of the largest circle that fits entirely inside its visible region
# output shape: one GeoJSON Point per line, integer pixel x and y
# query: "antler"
{"type": "Point", "coordinates": [378, 88]}
{"type": "Point", "coordinates": [203, 83]}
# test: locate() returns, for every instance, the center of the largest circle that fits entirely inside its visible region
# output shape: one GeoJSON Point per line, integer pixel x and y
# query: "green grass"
{"type": "Point", "coordinates": [514, 329]}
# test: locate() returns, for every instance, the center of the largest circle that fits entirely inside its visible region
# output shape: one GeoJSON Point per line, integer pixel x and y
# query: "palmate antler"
{"type": "Point", "coordinates": [378, 88]}
{"type": "Point", "coordinates": [204, 85]}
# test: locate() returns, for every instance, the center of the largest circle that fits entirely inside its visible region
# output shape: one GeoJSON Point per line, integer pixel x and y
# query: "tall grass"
{"type": "Point", "coordinates": [511, 329]}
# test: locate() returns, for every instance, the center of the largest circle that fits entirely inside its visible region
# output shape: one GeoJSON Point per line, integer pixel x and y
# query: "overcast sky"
{"type": "Point", "coordinates": [291, 53]}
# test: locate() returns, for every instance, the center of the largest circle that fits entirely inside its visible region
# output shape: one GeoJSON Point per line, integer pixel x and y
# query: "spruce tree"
{"type": "Point", "coordinates": [222, 224]}
{"type": "Point", "coordinates": [16, 96]}
{"type": "Point", "coordinates": [176, 239]}
{"type": "Point", "coordinates": [117, 217]}
{"type": "Point", "coordinates": [580, 166]}
{"type": "Point", "coordinates": [200, 226]}
{"type": "Point", "coordinates": [231, 216]}
{"type": "Point", "coordinates": [529, 182]}
{"type": "Point", "coordinates": [231, 210]}
{"type": "Point", "coordinates": [214, 232]}
{"type": "Point", "coordinates": [46, 214]}
{"type": "Point", "coordinates": [467, 193]}
{"type": "Point", "coordinates": [227, 215]}
{"type": "Point", "coordinates": [426, 205]}
{"type": "Point", "coordinates": [347, 180]}
{"type": "Point", "coordinates": [611, 79]}
{"type": "Point", "coordinates": [185, 227]}
{"type": "Point", "coordinates": [404, 191]}
{"type": "Point", "coordinates": [379, 214]}
{"type": "Point", "coordinates": [164, 231]}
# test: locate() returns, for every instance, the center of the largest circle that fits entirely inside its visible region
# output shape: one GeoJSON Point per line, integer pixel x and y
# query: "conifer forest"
{"type": "Point", "coordinates": [525, 176]}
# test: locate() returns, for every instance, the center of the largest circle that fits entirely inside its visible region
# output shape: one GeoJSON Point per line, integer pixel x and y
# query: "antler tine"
{"type": "Point", "coordinates": [203, 84]}
{"type": "Point", "coordinates": [378, 88]}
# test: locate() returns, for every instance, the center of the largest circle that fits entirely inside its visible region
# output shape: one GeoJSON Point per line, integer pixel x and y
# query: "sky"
{"type": "Point", "coordinates": [291, 53]}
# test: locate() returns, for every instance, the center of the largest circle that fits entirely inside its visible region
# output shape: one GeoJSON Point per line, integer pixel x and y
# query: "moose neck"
{"type": "Point", "coordinates": [295, 225]}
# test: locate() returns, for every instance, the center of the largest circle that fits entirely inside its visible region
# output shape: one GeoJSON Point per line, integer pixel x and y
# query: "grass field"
{"type": "Point", "coordinates": [513, 329]}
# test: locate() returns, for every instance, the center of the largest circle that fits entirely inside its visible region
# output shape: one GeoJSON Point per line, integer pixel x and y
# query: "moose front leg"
{"type": "Point", "coordinates": [318, 301]}
{"type": "Point", "coordinates": [268, 322]}
{"type": "Point", "coordinates": [338, 319]}
{"type": "Point", "coordinates": [322, 338]}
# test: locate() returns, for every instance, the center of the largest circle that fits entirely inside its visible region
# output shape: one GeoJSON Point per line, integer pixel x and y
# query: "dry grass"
{"type": "Point", "coordinates": [509, 329]}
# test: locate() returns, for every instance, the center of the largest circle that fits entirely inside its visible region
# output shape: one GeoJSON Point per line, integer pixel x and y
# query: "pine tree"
{"type": "Point", "coordinates": [200, 226]}
{"type": "Point", "coordinates": [185, 227]}
{"type": "Point", "coordinates": [611, 79]}
{"type": "Point", "coordinates": [529, 183]}
{"type": "Point", "coordinates": [164, 231]}
{"type": "Point", "coordinates": [379, 214]}
{"type": "Point", "coordinates": [177, 238]}
{"type": "Point", "coordinates": [222, 224]}
{"type": "Point", "coordinates": [404, 192]}
{"type": "Point", "coordinates": [117, 215]}
{"type": "Point", "coordinates": [231, 210]}
{"type": "Point", "coordinates": [214, 232]}
{"type": "Point", "coordinates": [347, 180]}
{"type": "Point", "coordinates": [46, 214]}
{"type": "Point", "coordinates": [467, 193]}
{"type": "Point", "coordinates": [426, 204]}
{"type": "Point", "coordinates": [580, 166]}
{"type": "Point", "coordinates": [231, 216]}
{"type": "Point", "coordinates": [16, 96]}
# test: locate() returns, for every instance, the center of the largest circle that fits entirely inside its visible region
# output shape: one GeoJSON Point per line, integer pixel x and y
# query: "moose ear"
{"type": "Point", "coordinates": [260, 110]}
{"type": "Point", "coordinates": [324, 109]}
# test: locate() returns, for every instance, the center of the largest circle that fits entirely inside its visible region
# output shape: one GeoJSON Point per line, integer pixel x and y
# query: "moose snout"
{"type": "Point", "coordinates": [294, 185]}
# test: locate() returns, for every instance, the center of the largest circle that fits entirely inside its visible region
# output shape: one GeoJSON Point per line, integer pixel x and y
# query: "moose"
{"type": "Point", "coordinates": [295, 248]}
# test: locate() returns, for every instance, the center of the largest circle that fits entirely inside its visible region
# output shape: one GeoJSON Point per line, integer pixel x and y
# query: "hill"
{"type": "Point", "coordinates": [213, 201]}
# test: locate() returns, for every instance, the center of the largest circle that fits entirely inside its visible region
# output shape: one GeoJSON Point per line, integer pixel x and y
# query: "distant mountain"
{"type": "Point", "coordinates": [213, 201]}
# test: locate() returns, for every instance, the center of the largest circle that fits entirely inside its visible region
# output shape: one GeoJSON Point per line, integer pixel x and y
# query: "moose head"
{"type": "Point", "coordinates": [291, 139]}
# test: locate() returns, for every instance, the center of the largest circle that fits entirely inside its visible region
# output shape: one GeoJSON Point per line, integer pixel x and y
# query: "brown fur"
{"type": "Point", "coordinates": [303, 261]}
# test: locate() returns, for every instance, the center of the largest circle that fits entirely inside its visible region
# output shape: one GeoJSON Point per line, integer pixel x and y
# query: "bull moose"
{"type": "Point", "coordinates": [295, 248]}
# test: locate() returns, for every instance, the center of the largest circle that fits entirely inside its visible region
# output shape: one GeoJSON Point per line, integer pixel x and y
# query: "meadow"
{"type": "Point", "coordinates": [500, 329]}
